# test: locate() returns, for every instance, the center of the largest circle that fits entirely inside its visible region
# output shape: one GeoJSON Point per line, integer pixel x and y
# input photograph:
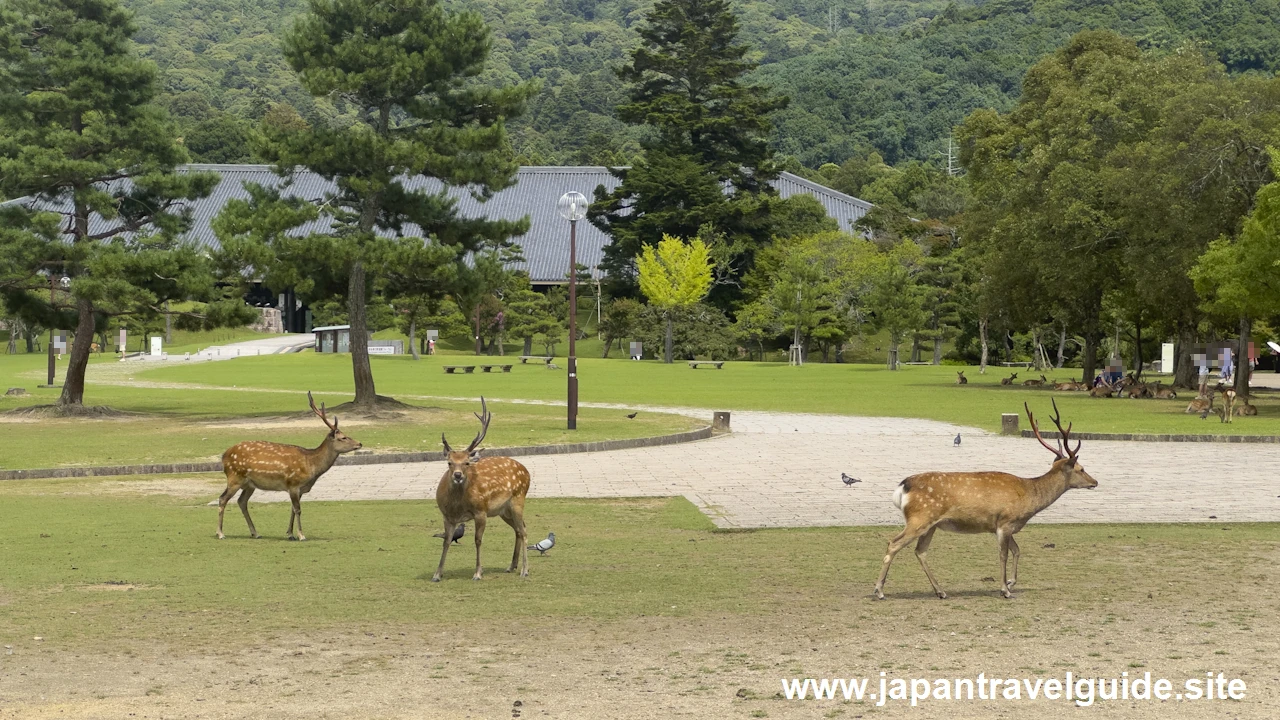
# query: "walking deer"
{"type": "Point", "coordinates": [1228, 402]}
{"type": "Point", "coordinates": [1009, 380]}
{"type": "Point", "coordinates": [961, 379]}
{"type": "Point", "coordinates": [257, 465]}
{"type": "Point", "coordinates": [477, 489]}
{"type": "Point", "coordinates": [982, 502]}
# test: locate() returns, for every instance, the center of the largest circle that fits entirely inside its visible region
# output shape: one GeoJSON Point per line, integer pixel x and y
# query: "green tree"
{"type": "Point", "coordinates": [619, 321]}
{"type": "Point", "coordinates": [528, 314]}
{"type": "Point", "coordinates": [406, 77]}
{"type": "Point", "coordinates": [896, 299]}
{"type": "Point", "coordinates": [83, 138]}
{"type": "Point", "coordinates": [709, 131]}
{"type": "Point", "coordinates": [1236, 278]}
{"type": "Point", "coordinates": [674, 275]}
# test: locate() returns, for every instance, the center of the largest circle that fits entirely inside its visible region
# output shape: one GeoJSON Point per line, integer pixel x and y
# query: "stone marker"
{"type": "Point", "coordinates": [1009, 424]}
{"type": "Point", "coordinates": [16, 391]}
{"type": "Point", "coordinates": [720, 422]}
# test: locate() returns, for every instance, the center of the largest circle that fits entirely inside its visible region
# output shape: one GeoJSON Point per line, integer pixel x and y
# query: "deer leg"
{"type": "Point", "coordinates": [243, 501]}
{"type": "Point", "coordinates": [448, 540]}
{"type": "Point", "coordinates": [922, 548]}
{"type": "Point", "coordinates": [1013, 547]}
{"type": "Point", "coordinates": [233, 484]}
{"type": "Point", "coordinates": [295, 498]}
{"type": "Point", "coordinates": [480, 521]}
{"type": "Point", "coordinates": [904, 538]}
{"type": "Point", "coordinates": [515, 518]}
{"type": "Point", "coordinates": [1002, 538]}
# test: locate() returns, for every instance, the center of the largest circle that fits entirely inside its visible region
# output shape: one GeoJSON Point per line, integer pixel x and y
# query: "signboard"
{"type": "Point", "coordinates": [382, 350]}
{"type": "Point", "coordinates": [433, 335]}
{"type": "Point", "coordinates": [157, 346]}
{"type": "Point", "coordinates": [1166, 358]}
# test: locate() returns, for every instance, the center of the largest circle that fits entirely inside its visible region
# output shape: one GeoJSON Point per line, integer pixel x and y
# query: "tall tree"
{"type": "Point", "coordinates": [673, 276]}
{"type": "Point", "coordinates": [528, 314]}
{"type": "Point", "coordinates": [708, 133]}
{"type": "Point", "coordinates": [83, 140]}
{"type": "Point", "coordinates": [406, 71]}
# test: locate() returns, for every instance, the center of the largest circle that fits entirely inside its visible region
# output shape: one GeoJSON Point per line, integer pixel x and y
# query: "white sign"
{"type": "Point", "coordinates": [433, 335]}
{"type": "Point", "coordinates": [382, 350]}
{"type": "Point", "coordinates": [157, 346]}
{"type": "Point", "coordinates": [1166, 358]}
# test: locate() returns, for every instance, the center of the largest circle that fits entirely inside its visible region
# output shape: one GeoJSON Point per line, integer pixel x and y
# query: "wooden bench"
{"type": "Point", "coordinates": [487, 368]}
{"type": "Point", "coordinates": [916, 362]}
{"type": "Point", "coordinates": [1017, 364]}
{"type": "Point", "coordinates": [465, 368]}
{"type": "Point", "coordinates": [719, 364]}
{"type": "Point", "coordinates": [526, 358]}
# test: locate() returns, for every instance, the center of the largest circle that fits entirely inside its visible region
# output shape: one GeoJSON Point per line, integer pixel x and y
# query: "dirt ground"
{"type": "Point", "coordinates": [713, 667]}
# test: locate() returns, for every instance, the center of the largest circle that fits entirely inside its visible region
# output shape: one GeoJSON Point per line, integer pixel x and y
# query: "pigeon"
{"type": "Point", "coordinates": [1204, 414]}
{"type": "Point", "coordinates": [633, 415]}
{"type": "Point", "coordinates": [458, 532]}
{"type": "Point", "coordinates": [956, 442]}
{"type": "Point", "coordinates": [543, 546]}
{"type": "Point", "coordinates": [848, 480]}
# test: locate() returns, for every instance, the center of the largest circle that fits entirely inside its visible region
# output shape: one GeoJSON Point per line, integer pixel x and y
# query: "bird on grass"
{"type": "Point", "coordinates": [458, 532]}
{"type": "Point", "coordinates": [848, 480]}
{"type": "Point", "coordinates": [956, 442]}
{"type": "Point", "coordinates": [633, 415]}
{"type": "Point", "coordinates": [543, 546]}
{"type": "Point", "coordinates": [1204, 414]}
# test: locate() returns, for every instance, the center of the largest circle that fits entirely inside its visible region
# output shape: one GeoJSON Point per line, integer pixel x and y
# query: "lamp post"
{"type": "Point", "coordinates": [573, 207]}
{"type": "Point", "coordinates": [51, 310]}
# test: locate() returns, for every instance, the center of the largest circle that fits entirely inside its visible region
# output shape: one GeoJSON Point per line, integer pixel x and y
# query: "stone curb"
{"type": "Point", "coordinates": [1141, 437]}
{"type": "Point", "coordinates": [372, 459]}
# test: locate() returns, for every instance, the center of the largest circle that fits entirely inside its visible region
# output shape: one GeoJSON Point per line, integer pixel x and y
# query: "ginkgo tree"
{"type": "Point", "coordinates": [672, 276]}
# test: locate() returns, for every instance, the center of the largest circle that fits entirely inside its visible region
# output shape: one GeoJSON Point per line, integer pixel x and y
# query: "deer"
{"type": "Point", "coordinates": [1035, 383]}
{"type": "Point", "coordinates": [259, 465]}
{"type": "Point", "coordinates": [1201, 404]}
{"type": "Point", "coordinates": [1009, 380]}
{"type": "Point", "coordinates": [1246, 408]}
{"type": "Point", "coordinates": [1228, 402]}
{"type": "Point", "coordinates": [961, 379]}
{"type": "Point", "coordinates": [1164, 393]}
{"type": "Point", "coordinates": [476, 489]}
{"type": "Point", "coordinates": [983, 502]}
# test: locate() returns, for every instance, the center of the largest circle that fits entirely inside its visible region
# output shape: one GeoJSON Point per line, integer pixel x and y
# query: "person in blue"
{"type": "Point", "coordinates": [1227, 366]}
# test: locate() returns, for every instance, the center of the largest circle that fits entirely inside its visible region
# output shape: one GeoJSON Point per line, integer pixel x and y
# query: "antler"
{"type": "Point", "coordinates": [321, 414]}
{"type": "Point", "coordinates": [484, 417]}
{"type": "Point", "coordinates": [1063, 450]}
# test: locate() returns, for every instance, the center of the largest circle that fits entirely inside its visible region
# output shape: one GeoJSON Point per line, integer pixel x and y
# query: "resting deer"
{"type": "Point", "coordinates": [258, 465]}
{"type": "Point", "coordinates": [1102, 390]}
{"type": "Point", "coordinates": [961, 379]}
{"type": "Point", "coordinates": [1165, 393]}
{"type": "Point", "coordinates": [477, 489]}
{"type": "Point", "coordinates": [1035, 383]}
{"type": "Point", "coordinates": [1245, 408]}
{"type": "Point", "coordinates": [1201, 404]}
{"type": "Point", "coordinates": [1009, 380]}
{"type": "Point", "coordinates": [982, 502]}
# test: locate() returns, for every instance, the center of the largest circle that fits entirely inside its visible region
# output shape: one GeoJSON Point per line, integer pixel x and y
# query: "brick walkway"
{"type": "Point", "coordinates": [783, 470]}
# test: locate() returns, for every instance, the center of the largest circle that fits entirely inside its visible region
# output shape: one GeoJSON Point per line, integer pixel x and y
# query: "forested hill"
{"type": "Point", "coordinates": [895, 75]}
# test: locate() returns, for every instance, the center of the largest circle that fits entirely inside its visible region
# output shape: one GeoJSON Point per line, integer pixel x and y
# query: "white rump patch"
{"type": "Point", "coordinates": [900, 498]}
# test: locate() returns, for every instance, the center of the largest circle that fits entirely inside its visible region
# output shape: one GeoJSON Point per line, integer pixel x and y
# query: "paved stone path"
{"type": "Point", "coordinates": [783, 470]}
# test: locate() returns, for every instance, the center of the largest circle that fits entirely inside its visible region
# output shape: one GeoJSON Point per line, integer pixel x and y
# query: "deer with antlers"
{"type": "Point", "coordinates": [1009, 380]}
{"type": "Point", "coordinates": [982, 502]}
{"type": "Point", "coordinates": [258, 465]}
{"type": "Point", "coordinates": [477, 489]}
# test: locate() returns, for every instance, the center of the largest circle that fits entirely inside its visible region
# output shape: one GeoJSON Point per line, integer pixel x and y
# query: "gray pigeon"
{"type": "Point", "coordinates": [848, 480]}
{"type": "Point", "coordinates": [543, 546]}
{"type": "Point", "coordinates": [956, 442]}
{"type": "Point", "coordinates": [458, 532]}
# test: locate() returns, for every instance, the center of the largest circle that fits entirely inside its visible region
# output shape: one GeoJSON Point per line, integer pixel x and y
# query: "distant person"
{"type": "Point", "coordinates": [431, 347]}
{"type": "Point", "coordinates": [1227, 365]}
{"type": "Point", "coordinates": [1204, 372]}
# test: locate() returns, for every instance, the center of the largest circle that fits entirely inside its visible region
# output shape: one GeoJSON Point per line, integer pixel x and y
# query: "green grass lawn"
{"type": "Point", "coordinates": [916, 391]}
{"type": "Point", "coordinates": [73, 549]}
{"type": "Point", "coordinates": [173, 425]}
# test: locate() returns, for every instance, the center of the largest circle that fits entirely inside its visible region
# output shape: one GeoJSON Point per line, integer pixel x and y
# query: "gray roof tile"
{"type": "Point", "coordinates": [545, 246]}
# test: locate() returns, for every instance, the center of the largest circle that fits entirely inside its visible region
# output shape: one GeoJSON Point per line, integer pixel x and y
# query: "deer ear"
{"type": "Point", "coordinates": [1072, 461]}
{"type": "Point", "coordinates": [475, 455]}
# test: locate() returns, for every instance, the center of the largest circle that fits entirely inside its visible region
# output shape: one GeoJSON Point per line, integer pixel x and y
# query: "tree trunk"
{"type": "Point", "coordinates": [528, 345]}
{"type": "Point", "coordinates": [608, 345]}
{"type": "Point", "coordinates": [915, 348]}
{"type": "Point", "coordinates": [479, 340]}
{"type": "Point", "coordinates": [1243, 369]}
{"type": "Point", "coordinates": [937, 351]}
{"type": "Point", "coordinates": [168, 325]}
{"type": "Point", "coordinates": [359, 337]}
{"type": "Point", "coordinates": [1184, 370]}
{"type": "Point", "coordinates": [1062, 346]}
{"type": "Point", "coordinates": [1035, 349]}
{"type": "Point", "coordinates": [73, 383]}
{"type": "Point", "coordinates": [982, 335]}
{"type": "Point", "coordinates": [893, 352]}
{"type": "Point", "coordinates": [30, 337]}
{"type": "Point", "coordinates": [669, 343]}
{"type": "Point", "coordinates": [413, 335]}
{"type": "Point", "coordinates": [1137, 347]}
{"type": "Point", "coordinates": [1089, 362]}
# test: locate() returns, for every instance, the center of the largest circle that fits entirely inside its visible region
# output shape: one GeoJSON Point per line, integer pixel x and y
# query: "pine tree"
{"type": "Point", "coordinates": [709, 130]}
{"type": "Point", "coordinates": [406, 70]}
{"type": "Point", "coordinates": [81, 138]}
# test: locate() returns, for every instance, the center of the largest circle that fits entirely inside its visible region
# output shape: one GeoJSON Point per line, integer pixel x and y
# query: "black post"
{"type": "Point", "coordinates": [51, 308]}
{"type": "Point", "coordinates": [573, 324]}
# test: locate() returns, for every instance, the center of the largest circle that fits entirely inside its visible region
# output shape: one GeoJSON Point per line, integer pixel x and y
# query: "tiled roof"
{"type": "Point", "coordinates": [545, 246]}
